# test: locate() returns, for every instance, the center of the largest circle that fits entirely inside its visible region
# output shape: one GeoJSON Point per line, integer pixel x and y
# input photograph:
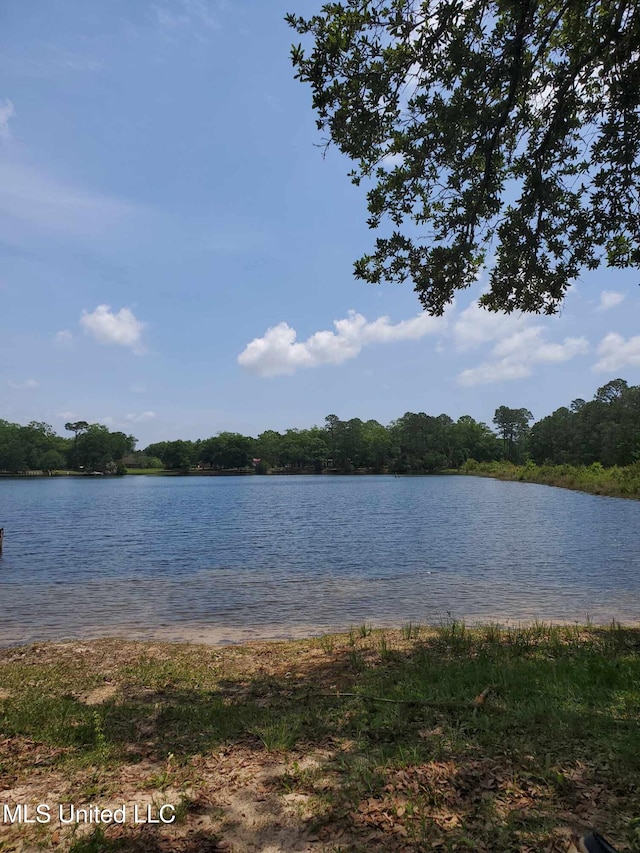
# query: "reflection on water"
{"type": "Point", "coordinates": [232, 558]}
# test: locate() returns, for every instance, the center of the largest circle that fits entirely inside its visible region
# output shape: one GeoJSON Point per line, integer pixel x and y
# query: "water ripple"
{"type": "Point", "coordinates": [144, 557]}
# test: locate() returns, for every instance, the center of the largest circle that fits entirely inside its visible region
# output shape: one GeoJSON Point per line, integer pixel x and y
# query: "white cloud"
{"type": "Point", "coordinates": [515, 355]}
{"type": "Point", "coordinates": [31, 197]}
{"type": "Point", "coordinates": [106, 327]}
{"type": "Point", "coordinates": [616, 352]}
{"type": "Point", "coordinates": [609, 299]}
{"type": "Point", "coordinates": [494, 371]}
{"type": "Point", "coordinates": [554, 353]}
{"type": "Point", "coordinates": [63, 338]}
{"type": "Point", "coordinates": [168, 19]}
{"type": "Point", "coordinates": [476, 326]}
{"type": "Point", "coordinates": [174, 14]}
{"type": "Point", "coordinates": [529, 345]}
{"type": "Point", "coordinates": [390, 161]}
{"type": "Point", "coordinates": [67, 416]}
{"type": "Point", "coordinates": [278, 351]}
{"type": "Point", "coordinates": [140, 418]}
{"type": "Point", "coordinates": [23, 386]}
{"type": "Point", "coordinates": [517, 345]}
{"type": "Point", "coordinates": [6, 112]}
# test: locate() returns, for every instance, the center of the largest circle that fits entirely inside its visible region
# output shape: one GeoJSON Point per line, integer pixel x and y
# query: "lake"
{"type": "Point", "coordinates": [225, 559]}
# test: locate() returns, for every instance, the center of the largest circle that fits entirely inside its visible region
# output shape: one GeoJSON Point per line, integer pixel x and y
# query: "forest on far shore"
{"type": "Point", "coordinates": [605, 430]}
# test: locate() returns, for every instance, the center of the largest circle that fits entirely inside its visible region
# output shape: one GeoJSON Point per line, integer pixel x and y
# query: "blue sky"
{"type": "Point", "coordinates": [176, 254]}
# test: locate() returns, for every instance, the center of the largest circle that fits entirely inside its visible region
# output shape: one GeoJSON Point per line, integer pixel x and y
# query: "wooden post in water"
{"type": "Point", "coordinates": [1, 538]}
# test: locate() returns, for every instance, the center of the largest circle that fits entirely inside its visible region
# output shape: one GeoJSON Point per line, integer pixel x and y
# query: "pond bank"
{"type": "Point", "coordinates": [593, 479]}
{"type": "Point", "coordinates": [395, 740]}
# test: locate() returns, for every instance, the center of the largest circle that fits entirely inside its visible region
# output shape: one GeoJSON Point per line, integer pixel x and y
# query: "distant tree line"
{"type": "Point", "coordinates": [416, 443]}
{"type": "Point", "coordinates": [605, 430]}
{"type": "Point", "coordinates": [36, 447]}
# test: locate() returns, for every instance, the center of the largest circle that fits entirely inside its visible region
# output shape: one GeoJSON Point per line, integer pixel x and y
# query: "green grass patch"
{"type": "Point", "coordinates": [620, 482]}
{"type": "Point", "coordinates": [406, 752]}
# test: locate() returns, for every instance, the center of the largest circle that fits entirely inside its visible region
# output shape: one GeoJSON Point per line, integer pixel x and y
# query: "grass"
{"type": "Point", "coordinates": [403, 759]}
{"type": "Point", "coordinates": [410, 630]}
{"type": "Point", "coordinates": [621, 482]}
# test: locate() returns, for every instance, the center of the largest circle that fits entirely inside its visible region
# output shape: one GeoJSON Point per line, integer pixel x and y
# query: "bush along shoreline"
{"type": "Point", "coordinates": [615, 482]}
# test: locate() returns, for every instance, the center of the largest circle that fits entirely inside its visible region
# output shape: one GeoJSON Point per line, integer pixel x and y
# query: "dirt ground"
{"type": "Point", "coordinates": [237, 798]}
{"type": "Point", "coordinates": [254, 791]}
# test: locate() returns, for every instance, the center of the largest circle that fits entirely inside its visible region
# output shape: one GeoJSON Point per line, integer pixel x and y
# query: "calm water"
{"type": "Point", "coordinates": [225, 558]}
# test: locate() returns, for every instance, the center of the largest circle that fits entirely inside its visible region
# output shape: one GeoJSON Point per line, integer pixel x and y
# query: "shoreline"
{"type": "Point", "coordinates": [622, 483]}
{"type": "Point", "coordinates": [219, 637]}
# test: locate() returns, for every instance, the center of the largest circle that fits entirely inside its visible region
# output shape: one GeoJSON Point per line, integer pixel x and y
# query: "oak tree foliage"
{"type": "Point", "coordinates": [485, 130]}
